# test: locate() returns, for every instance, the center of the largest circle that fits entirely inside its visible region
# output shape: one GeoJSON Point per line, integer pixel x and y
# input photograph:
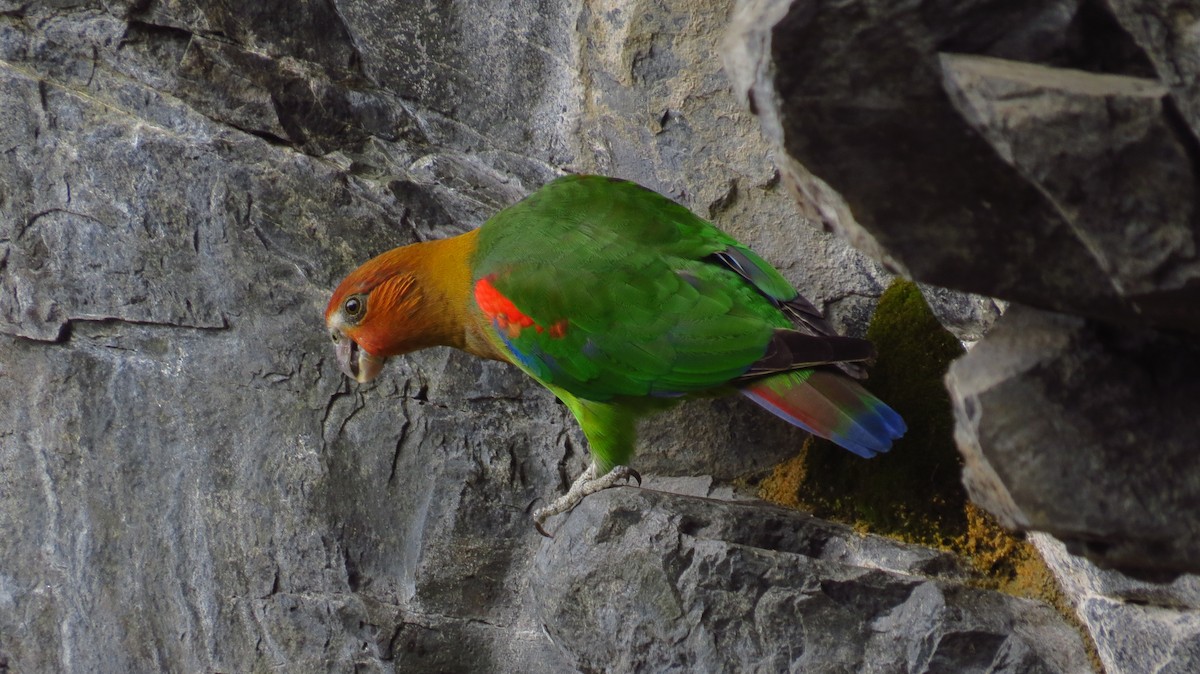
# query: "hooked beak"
{"type": "Point", "coordinates": [353, 359]}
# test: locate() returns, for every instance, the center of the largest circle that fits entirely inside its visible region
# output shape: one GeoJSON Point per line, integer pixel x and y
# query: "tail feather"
{"type": "Point", "coordinates": [832, 406]}
{"type": "Point", "coordinates": [791, 349]}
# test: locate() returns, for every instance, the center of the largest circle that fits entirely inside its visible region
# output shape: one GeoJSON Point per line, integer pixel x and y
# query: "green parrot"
{"type": "Point", "coordinates": [622, 303]}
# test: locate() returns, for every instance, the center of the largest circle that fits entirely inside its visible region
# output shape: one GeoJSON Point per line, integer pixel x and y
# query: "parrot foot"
{"type": "Point", "coordinates": [586, 483]}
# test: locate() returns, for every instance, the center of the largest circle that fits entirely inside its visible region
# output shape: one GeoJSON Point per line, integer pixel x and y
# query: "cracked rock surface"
{"type": "Point", "coordinates": [1046, 154]}
{"type": "Point", "coordinates": [186, 481]}
{"type": "Point", "coordinates": [640, 581]}
{"type": "Point", "coordinates": [188, 484]}
{"type": "Point", "coordinates": [1036, 152]}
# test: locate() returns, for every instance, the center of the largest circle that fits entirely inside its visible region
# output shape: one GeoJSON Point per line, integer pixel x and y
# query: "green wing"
{"type": "Point", "coordinates": [608, 290]}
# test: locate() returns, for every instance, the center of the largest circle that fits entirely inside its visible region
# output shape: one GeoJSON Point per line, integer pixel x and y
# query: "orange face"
{"type": "Point", "coordinates": [367, 316]}
{"type": "Point", "coordinates": [408, 298]}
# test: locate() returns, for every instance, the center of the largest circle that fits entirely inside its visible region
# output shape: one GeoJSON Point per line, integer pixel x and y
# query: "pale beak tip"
{"type": "Point", "coordinates": [368, 366]}
{"type": "Point", "coordinates": [353, 360]}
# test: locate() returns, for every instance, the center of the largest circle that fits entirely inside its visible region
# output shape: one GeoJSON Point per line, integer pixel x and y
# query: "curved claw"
{"type": "Point", "coordinates": [586, 483]}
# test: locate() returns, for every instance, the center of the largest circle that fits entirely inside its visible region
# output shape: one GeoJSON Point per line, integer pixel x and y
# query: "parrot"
{"type": "Point", "coordinates": [622, 303]}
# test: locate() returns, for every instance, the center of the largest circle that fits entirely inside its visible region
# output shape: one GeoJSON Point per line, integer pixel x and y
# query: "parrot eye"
{"type": "Point", "coordinates": [354, 307]}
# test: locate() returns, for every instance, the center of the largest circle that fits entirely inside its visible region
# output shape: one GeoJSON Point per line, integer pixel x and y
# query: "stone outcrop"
{"type": "Point", "coordinates": [1028, 151]}
{"type": "Point", "coordinates": [187, 483]}
{"type": "Point", "coordinates": [1142, 626]}
{"type": "Point", "coordinates": [640, 581]}
{"type": "Point", "coordinates": [1047, 403]}
{"type": "Point", "coordinates": [1046, 154]}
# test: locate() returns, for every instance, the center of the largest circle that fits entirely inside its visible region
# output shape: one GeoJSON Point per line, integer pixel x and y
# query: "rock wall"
{"type": "Point", "coordinates": [642, 581]}
{"type": "Point", "coordinates": [186, 481]}
{"type": "Point", "coordinates": [1046, 153]}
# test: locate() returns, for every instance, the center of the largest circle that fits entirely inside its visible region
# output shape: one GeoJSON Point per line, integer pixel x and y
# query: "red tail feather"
{"type": "Point", "coordinates": [831, 405]}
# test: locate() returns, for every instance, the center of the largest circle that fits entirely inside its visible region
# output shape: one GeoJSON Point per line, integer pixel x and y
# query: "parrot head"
{"type": "Point", "coordinates": [376, 312]}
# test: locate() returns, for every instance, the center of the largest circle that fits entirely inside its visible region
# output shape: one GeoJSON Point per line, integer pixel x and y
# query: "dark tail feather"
{"type": "Point", "coordinates": [790, 350]}
{"type": "Point", "coordinates": [832, 406]}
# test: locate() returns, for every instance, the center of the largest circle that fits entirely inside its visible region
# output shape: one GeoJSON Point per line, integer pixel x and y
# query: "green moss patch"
{"type": "Point", "coordinates": [913, 493]}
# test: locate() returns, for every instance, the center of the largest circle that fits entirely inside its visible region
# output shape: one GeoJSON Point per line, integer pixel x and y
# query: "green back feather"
{"type": "Point", "coordinates": [646, 310]}
{"type": "Point", "coordinates": [623, 302]}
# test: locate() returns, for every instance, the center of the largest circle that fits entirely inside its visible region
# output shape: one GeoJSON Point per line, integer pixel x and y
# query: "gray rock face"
{"type": "Point", "coordinates": [976, 145]}
{"type": "Point", "coordinates": [186, 482]}
{"type": "Point", "coordinates": [639, 581]}
{"type": "Point", "coordinates": [1045, 153]}
{"type": "Point", "coordinates": [1148, 627]}
{"type": "Point", "coordinates": [1102, 149]}
{"type": "Point", "coordinates": [184, 470]}
{"type": "Point", "coordinates": [1167, 34]}
{"type": "Point", "coordinates": [1087, 432]}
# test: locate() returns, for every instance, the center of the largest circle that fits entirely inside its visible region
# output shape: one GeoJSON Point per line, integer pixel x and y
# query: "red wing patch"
{"type": "Point", "coordinates": [506, 316]}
